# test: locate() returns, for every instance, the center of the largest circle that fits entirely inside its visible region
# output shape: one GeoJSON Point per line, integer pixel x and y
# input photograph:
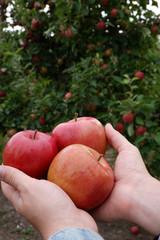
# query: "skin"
{"type": "Point", "coordinates": [135, 197]}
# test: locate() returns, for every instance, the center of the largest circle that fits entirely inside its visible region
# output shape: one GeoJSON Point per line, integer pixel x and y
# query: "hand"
{"type": "Point", "coordinates": [135, 196]}
{"type": "Point", "coordinates": [42, 203]}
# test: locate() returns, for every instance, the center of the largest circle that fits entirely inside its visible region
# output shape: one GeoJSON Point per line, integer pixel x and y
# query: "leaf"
{"type": "Point", "coordinates": [139, 121]}
{"type": "Point", "coordinates": [157, 138]}
{"type": "Point", "coordinates": [130, 130]}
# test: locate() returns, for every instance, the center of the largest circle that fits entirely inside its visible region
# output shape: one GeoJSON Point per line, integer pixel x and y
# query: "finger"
{"type": "Point", "coordinates": [11, 194]}
{"type": "Point", "coordinates": [117, 140]}
{"type": "Point", "coordinates": [14, 177]}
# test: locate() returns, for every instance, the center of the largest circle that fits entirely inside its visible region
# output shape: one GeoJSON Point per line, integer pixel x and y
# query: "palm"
{"type": "Point", "coordinates": [129, 171]}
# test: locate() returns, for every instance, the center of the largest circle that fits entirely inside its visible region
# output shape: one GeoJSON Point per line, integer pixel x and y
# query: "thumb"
{"type": "Point", "coordinates": [14, 177]}
{"type": "Point", "coordinates": [117, 140]}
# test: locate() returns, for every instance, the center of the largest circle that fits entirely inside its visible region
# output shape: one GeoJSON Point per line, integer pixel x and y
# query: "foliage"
{"type": "Point", "coordinates": [62, 47]}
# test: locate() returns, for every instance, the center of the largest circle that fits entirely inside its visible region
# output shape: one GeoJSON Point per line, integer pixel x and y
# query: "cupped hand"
{"type": "Point", "coordinates": [42, 203]}
{"type": "Point", "coordinates": [130, 174]}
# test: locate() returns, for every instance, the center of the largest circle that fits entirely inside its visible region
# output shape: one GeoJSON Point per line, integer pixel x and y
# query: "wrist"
{"type": "Point", "coordinates": [83, 221]}
{"type": "Point", "coordinates": [145, 206]}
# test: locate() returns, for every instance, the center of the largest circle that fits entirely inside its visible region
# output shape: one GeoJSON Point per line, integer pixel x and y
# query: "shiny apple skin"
{"type": "Point", "coordinates": [87, 131]}
{"type": "Point", "coordinates": [32, 156]}
{"type": "Point", "coordinates": [86, 180]}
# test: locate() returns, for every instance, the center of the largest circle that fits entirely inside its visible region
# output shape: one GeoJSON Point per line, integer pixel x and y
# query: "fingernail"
{"type": "Point", "coordinates": [2, 170]}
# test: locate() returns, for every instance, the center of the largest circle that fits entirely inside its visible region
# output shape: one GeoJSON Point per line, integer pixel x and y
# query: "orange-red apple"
{"type": "Point", "coordinates": [88, 131]}
{"type": "Point", "coordinates": [83, 174]}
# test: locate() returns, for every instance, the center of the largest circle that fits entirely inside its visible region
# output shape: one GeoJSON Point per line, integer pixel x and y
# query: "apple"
{"type": "Point", "coordinates": [29, 34]}
{"type": "Point", "coordinates": [83, 174]}
{"type": "Point", "coordinates": [128, 118]}
{"type": "Point", "coordinates": [68, 95]}
{"type": "Point", "coordinates": [41, 121]}
{"type": "Point", "coordinates": [82, 130]}
{"type": "Point", "coordinates": [31, 152]}
{"type": "Point", "coordinates": [60, 61]}
{"type": "Point", "coordinates": [134, 230]}
{"type": "Point", "coordinates": [114, 12]}
{"type": "Point", "coordinates": [101, 25]}
{"type": "Point", "coordinates": [2, 94]}
{"type": "Point", "coordinates": [25, 43]}
{"type": "Point", "coordinates": [127, 11]}
{"type": "Point", "coordinates": [68, 33]}
{"type": "Point", "coordinates": [139, 74]}
{"type": "Point", "coordinates": [92, 107]}
{"type": "Point", "coordinates": [35, 59]}
{"type": "Point", "coordinates": [119, 127]}
{"type": "Point", "coordinates": [36, 23]}
{"type": "Point", "coordinates": [11, 132]}
{"type": "Point", "coordinates": [3, 3]}
{"type": "Point", "coordinates": [154, 29]}
{"type": "Point", "coordinates": [3, 71]}
{"type": "Point", "coordinates": [104, 2]}
{"type": "Point", "coordinates": [44, 70]}
{"type": "Point", "coordinates": [108, 52]}
{"type": "Point", "coordinates": [140, 130]}
{"type": "Point", "coordinates": [90, 47]}
{"type": "Point", "coordinates": [105, 65]}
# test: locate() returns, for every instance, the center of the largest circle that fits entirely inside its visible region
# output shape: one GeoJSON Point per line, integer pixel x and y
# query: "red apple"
{"type": "Point", "coordinates": [114, 12]}
{"type": "Point", "coordinates": [127, 11]}
{"type": "Point", "coordinates": [2, 94]}
{"type": "Point", "coordinates": [42, 121]}
{"type": "Point", "coordinates": [68, 33]}
{"type": "Point", "coordinates": [92, 107]}
{"type": "Point", "coordinates": [101, 25]}
{"type": "Point", "coordinates": [119, 127]}
{"type": "Point", "coordinates": [68, 95]}
{"type": "Point", "coordinates": [154, 29]}
{"type": "Point", "coordinates": [83, 130]}
{"type": "Point", "coordinates": [105, 65]}
{"type": "Point", "coordinates": [104, 2]}
{"type": "Point", "coordinates": [31, 152]}
{"type": "Point", "coordinates": [83, 174]}
{"type": "Point", "coordinates": [3, 3]}
{"type": "Point", "coordinates": [35, 59]}
{"type": "Point", "coordinates": [134, 229]}
{"type": "Point", "coordinates": [90, 47]}
{"type": "Point", "coordinates": [36, 23]}
{"type": "Point", "coordinates": [139, 75]}
{"type": "Point", "coordinates": [140, 130]}
{"type": "Point", "coordinates": [128, 118]}
{"type": "Point", "coordinates": [3, 71]}
{"type": "Point", "coordinates": [25, 43]}
{"type": "Point", "coordinates": [108, 52]}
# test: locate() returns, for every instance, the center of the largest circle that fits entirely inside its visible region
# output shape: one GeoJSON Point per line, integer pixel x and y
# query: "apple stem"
{"type": "Point", "coordinates": [76, 115]}
{"type": "Point", "coordinates": [99, 158]}
{"type": "Point", "coordinates": [35, 132]}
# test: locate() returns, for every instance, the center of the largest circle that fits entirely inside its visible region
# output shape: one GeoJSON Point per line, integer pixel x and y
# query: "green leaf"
{"type": "Point", "coordinates": [130, 130]}
{"type": "Point", "coordinates": [157, 138]}
{"type": "Point", "coordinates": [139, 121]}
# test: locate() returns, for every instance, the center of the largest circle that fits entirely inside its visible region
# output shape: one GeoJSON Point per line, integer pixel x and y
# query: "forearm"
{"type": "Point", "coordinates": [146, 206]}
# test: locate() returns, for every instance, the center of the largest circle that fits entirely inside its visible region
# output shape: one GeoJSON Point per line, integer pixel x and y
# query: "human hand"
{"type": "Point", "coordinates": [42, 203]}
{"type": "Point", "coordinates": [135, 196]}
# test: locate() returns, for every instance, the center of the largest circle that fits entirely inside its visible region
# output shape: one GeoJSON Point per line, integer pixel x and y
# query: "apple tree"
{"type": "Point", "coordinates": [104, 54]}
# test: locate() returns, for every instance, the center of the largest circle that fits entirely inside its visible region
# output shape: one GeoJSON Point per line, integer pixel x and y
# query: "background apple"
{"type": "Point", "coordinates": [104, 2]}
{"type": "Point", "coordinates": [31, 153]}
{"type": "Point", "coordinates": [83, 130]}
{"type": "Point", "coordinates": [140, 130]}
{"type": "Point", "coordinates": [114, 12]}
{"type": "Point", "coordinates": [119, 127]}
{"type": "Point", "coordinates": [85, 177]}
{"type": "Point", "coordinates": [101, 25]}
{"type": "Point", "coordinates": [68, 95]}
{"type": "Point", "coordinates": [139, 74]}
{"type": "Point", "coordinates": [128, 118]}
